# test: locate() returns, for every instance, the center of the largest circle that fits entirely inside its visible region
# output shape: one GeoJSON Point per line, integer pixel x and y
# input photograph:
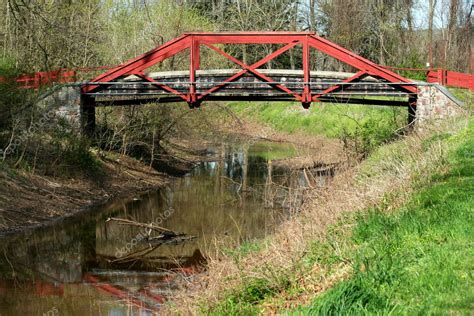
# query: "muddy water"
{"type": "Point", "coordinates": [86, 265]}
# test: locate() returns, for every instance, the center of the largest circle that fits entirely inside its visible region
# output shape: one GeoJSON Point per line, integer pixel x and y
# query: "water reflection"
{"type": "Point", "coordinates": [72, 267]}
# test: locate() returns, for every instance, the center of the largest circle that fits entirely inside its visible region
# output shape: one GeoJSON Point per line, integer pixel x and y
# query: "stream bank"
{"type": "Point", "coordinates": [31, 200]}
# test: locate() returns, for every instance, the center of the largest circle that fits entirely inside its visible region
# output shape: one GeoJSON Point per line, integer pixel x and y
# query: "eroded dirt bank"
{"type": "Point", "coordinates": [29, 200]}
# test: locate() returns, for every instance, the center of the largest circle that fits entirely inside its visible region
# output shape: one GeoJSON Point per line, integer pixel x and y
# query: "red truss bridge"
{"type": "Point", "coordinates": [129, 83]}
{"type": "Point", "coordinates": [133, 83]}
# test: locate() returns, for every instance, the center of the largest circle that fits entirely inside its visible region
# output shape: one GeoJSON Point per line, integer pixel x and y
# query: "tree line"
{"type": "Point", "coordinates": [48, 34]}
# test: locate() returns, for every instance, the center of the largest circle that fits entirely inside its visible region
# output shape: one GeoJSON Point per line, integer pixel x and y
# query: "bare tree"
{"type": "Point", "coordinates": [431, 12]}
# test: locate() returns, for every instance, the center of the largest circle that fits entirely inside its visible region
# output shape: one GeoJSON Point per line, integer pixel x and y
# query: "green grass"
{"type": "Point", "coordinates": [241, 302]}
{"type": "Point", "coordinates": [411, 259]}
{"type": "Point", "coordinates": [465, 95]}
{"type": "Point", "coordinates": [244, 249]}
{"type": "Point", "coordinates": [326, 119]}
{"type": "Point", "coordinates": [419, 259]}
{"type": "Point", "coordinates": [274, 151]}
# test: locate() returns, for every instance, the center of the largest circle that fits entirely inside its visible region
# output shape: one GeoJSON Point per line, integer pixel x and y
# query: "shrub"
{"type": "Point", "coordinates": [367, 136]}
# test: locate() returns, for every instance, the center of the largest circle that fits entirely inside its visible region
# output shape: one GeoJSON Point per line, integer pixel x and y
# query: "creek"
{"type": "Point", "coordinates": [86, 265]}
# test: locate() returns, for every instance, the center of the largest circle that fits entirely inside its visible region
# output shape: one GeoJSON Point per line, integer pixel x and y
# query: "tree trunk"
{"type": "Point", "coordinates": [431, 9]}
{"type": "Point", "coordinates": [451, 36]}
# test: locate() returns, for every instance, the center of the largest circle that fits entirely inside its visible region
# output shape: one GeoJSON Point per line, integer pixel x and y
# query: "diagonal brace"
{"type": "Point", "coordinates": [250, 68]}
{"type": "Point", "coordinates": [358, 76]}
{"type": "Point", "coordinates": [161, 86]}
{"type": "Point", "coordinates": [253, 70]}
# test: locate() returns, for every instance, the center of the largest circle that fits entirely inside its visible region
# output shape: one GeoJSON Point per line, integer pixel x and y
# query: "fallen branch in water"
{"type": "Point", "coordinates": [142, 253]}
{"type": "Point", "coordinates": [165, 236]}
{"type": "Point", "coordinates": [152, 226]}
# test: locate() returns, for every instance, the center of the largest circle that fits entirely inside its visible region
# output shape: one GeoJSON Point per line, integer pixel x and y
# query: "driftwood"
{"type": "Point", "coordinates": [165, 236]}
{"type": "Point", "coordinates": [151, 226]}
{"type": "Point", "coordinates": [142, 253]}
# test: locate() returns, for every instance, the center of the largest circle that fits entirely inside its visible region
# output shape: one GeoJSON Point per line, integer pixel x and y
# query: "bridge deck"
{"type": "Point", "coordinates": [247, 87]}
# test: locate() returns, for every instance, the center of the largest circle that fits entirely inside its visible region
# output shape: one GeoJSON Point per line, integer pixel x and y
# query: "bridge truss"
{"type": "Point", "coordinates": [194, 91]}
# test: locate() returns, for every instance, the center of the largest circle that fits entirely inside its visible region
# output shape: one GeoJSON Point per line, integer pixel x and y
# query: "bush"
{"type": "Point", "coordinates": [367, 136]}
{"type": "Point", "coordinates": [69, 155]}
{"type": "Point", "coordinates": [78, 155]}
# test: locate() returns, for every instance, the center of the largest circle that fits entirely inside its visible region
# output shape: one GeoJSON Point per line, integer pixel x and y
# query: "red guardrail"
{"type": "Point", "coordinates": [34, 81]}
{"type": "Point", "coordinates": [42, 78]}
{"type": "Point", "coordinates": [451, 78]}
{"type": "Point", "coordinates": [443, 77]}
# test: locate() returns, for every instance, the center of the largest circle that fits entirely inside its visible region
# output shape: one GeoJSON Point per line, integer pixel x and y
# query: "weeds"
{"type": "Point", "coordinates": [366, 137]}
{"type": "Point", "coordinates": [330, 120]}
{"type": "Point", "coordinates": [78, 157]}
{"type": "Point", "coordinates": [244, 301]}
{"type": "Point", "coordinates": [243, 250]}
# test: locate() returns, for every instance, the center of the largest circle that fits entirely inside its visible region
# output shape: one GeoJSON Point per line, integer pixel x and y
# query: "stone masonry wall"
{"type": "Point", "coordinates": [64, 103]}
{"type": "Point", "coordinates": [435, 103]}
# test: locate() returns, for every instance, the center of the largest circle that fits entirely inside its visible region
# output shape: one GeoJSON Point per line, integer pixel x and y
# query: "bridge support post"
{"type": "Point", "coordinates": [435, 103]}
{"type": "Point", "coordinates": [306, 97]}
{"type": "Point", "coordinates": [412, 110]}
{"type": "Point", "coordinates": [194, 65]}
{"type": "Point", "coordinates": [87, 109]}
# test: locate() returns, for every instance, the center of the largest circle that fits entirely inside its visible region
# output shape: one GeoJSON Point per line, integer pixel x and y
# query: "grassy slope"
{"type": "Point", "coordinates": [418, 259]}
{"type": "Point", "coordinates": [326, 119]}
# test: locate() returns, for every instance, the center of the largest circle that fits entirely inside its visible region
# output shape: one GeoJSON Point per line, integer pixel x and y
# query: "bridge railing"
{"type": "Point", "coordinates": [441, 76]}
{"type": "Point", "coordinates": [44, 78]}
{"type": "Point", "coordinates": [451, 78]}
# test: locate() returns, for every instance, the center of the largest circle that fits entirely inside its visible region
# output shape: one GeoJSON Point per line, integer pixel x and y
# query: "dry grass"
{"type": "Point", "coordinates": [390, 171]}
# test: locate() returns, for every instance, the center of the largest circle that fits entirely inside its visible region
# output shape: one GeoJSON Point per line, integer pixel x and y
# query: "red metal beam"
{"type": "Point", "coordinates": [358, 62]}
{"type": "Point", "coordinates": [254, 66]}
{"type": "Point", "coordinates": [194, 64]}
{"type": "Point", "coordinates": [306, 99]}
{"type": "Point", "coordinates": [263, 61]}
{"type": "Point", "coordinates": [142, 62]}
{"type": "Point", "coordinates": [357, 76]}
{"type": "Point", "coordinates": [162, 86]}
{"type": "Point", "coordinates": [250, 37]}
